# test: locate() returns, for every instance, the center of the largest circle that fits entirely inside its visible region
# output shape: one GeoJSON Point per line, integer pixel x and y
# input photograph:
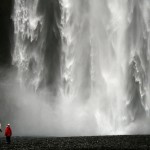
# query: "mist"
{"type": "Point", "coordinates": [42, 114]}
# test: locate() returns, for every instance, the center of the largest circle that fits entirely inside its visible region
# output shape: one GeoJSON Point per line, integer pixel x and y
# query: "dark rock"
{"type": "Point", "coordinates": [101, 142]}
{"type": "Point", "coordinates": [6, 27]}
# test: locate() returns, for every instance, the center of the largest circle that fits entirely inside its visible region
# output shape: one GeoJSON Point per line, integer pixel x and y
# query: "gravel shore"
{"type": "Point", "coordinates": [91, 142]}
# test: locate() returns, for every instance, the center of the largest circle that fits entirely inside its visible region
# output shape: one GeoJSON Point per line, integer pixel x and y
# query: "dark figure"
{"type": "Point", "coordinates": [0, 127]}
{"type": "Point", "coordinates": [8, 133]}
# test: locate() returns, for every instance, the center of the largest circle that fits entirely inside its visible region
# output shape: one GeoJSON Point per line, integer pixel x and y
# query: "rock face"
{"type": "Point", "coordinates": [6, 28]}
{"type": "Point", "coordinates": [102, 142]}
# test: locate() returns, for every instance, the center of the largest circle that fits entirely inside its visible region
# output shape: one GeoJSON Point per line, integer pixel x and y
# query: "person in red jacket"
{"type": "Point", "coordinates": [8, 133]}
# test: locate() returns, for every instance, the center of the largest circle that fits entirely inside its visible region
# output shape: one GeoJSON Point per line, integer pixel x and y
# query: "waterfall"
{"type": "Point", "coordinates": [74, 46]}
{"type": "Point", "coordinates": [67, 48]}
{"type": "Point", "coordinates": [29, 42]}
{"type": "Point", "coordinates": [93, 53]}
{"type": "Point", "coordinates": [138, 47]}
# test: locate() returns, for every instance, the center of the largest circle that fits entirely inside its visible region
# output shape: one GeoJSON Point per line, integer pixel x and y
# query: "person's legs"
{"type": "Point", "coordinates": [8, 139]}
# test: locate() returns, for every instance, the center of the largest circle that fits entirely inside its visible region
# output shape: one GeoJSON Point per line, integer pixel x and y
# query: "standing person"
{"type": "Point", "coordinates": [0, 127]}
{"type": "Point", "coordinates": [0, 131]}
{"type": "Point", "coordinates": [8, 133]}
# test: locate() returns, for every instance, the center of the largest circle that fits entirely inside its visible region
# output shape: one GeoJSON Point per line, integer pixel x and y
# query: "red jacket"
{"type": "Point", "coordinates": [8, 131]}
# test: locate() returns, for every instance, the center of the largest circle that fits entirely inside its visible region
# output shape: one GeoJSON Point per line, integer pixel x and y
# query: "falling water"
{"type": "Point", "coordinates": [94, 56]}
{"type": "Point", "coordinates": [28, 53]}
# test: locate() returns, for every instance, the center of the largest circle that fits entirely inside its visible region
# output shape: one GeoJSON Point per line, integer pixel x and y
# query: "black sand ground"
{"type": "Point", "coordinates": [101, 142]}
